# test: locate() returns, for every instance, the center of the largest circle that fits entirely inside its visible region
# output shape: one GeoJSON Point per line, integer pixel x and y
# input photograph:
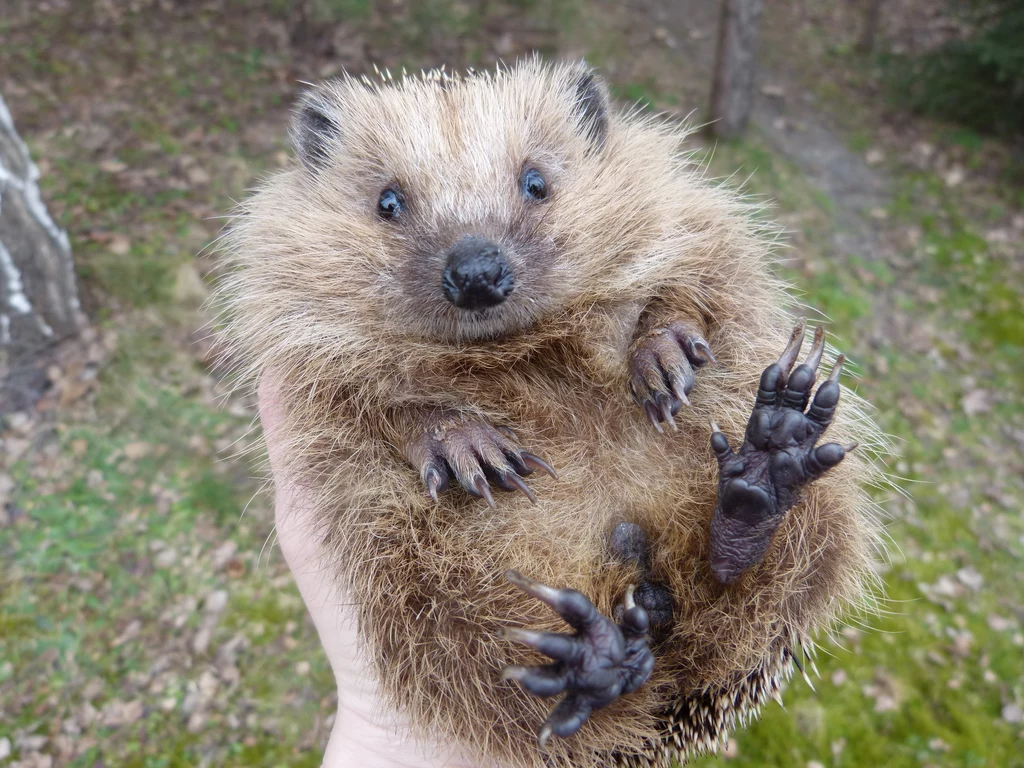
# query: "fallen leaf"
{"type": "Point", "coordinates": [236, 568]}
{"type": "Point", "coordinates": [216, 601]}
{"type": "Point", "coordinates": [31, 742]}
{"type": "Point", "coordinates": [136, 451]}
{"type": "Point", "coordinates": [117, 712]}
{"type": "Point", "coordinates": [132, 631]}
{"type": "Point", "coordinates": [201, 642]}
{"type": "Point", "coordinates": [970, 578]}
{"type": "Point", "coordinates": [223, 554]}
{"type": "Point", "coordinates": [977, 401]}
{"type": "Point", "coordinates": [999, 623]}
{"type": "Point", "coordinates": [198, 176]}
{"type": "Point", "coordinates": [166, 558]}
{"type": "Point", "coordinates": [120, 244]}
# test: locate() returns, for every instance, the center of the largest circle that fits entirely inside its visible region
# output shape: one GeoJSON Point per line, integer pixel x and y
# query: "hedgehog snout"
{"type": "Point", "coordinates": [477, 274]}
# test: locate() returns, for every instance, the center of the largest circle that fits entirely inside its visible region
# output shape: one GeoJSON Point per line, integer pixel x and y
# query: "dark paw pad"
{"type": "Point", "coordinates": [474, 454]}
{"type": "Point", "coordinates": [593, 667]}
{"type": "Point", "coordinates": [661, 370]}
{"type": "Point", "coordinates": [759, 483]}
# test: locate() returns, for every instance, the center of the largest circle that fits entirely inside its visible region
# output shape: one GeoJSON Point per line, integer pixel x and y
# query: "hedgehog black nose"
{"type": "Point", "coordinates": [477, 275]}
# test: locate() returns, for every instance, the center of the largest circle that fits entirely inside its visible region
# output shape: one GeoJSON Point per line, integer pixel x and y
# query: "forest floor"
{"type": "Point", "coordinates": [146, 618]}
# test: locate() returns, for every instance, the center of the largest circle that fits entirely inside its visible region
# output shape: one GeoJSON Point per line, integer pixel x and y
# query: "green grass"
{"type": "Point", "coordinates": [88, 561]}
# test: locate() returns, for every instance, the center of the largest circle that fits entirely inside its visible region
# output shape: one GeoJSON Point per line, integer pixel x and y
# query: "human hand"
{"type": "Point", "coordinates": [367, 733]}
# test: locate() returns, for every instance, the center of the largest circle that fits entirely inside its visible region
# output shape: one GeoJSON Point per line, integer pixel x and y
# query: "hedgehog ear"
{"type": "Point", "coordinates": [590, 104]}
{"type": "Point", "coordinates": [314, 130]}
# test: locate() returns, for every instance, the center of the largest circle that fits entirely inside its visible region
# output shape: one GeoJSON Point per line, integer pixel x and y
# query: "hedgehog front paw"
{"type": "Point", "coordinates": [661, 370]}
{"type": "Point", "coordinates": [759, 483]}
{"type": "Point", "coordinates": [475, 454]}
{"type": "Point", "coordinates": [593, 667]}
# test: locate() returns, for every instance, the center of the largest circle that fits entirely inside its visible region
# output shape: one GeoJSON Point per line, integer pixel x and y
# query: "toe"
{"type": "Point", "coordinates": [574, 607]}
{"type": "Point", "coordinates": [798, 390]}
{"type": "Point", "coordinates": [696, 347]}
{"type": "Point", "coordinates": [557, 646]}
{"type": "Point", "coordinates": [568, 717]}
{"type": "Point", "coordinates": [823, 407]}
{"type": "Point", "coordinates": [549, 680]}
{"type": "Point", "coordinates": [824, 457]}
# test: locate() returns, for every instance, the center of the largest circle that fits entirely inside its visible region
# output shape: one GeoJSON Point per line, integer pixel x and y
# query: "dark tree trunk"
{"type": "Point", "coordinates": [732, 92]}
{"type": "Point", "coordinates": [869, 32]}
{"type": "Point", "coordinates": [38, 291]}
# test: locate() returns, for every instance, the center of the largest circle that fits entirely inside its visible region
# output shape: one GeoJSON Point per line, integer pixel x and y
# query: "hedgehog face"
{"type": "Point", "coordinates": [449, 197]}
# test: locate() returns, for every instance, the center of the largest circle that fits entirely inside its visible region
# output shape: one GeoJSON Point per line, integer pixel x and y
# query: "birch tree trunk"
{"type": "Point", "coordinates": [732, 91]}
{"type": "Point", "coordinates": [38, 291]}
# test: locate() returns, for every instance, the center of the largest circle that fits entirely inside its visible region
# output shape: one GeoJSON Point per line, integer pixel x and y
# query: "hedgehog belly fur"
{"type": "Point", "coordinates": [333, 285]}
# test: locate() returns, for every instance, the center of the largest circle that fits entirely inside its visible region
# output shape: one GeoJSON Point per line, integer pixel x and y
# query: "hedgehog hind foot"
{"type": "Point", "coordinates": [593, 667]}
{"type": "Point", "coordinates": [761, 481]}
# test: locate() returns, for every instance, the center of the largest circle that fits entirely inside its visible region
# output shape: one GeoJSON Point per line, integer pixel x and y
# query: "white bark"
{"type": "Point", "coordinates": [38, 291]}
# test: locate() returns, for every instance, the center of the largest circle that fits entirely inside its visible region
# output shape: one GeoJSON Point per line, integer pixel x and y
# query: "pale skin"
{"type": "Point", "coordinates": [366, 733]}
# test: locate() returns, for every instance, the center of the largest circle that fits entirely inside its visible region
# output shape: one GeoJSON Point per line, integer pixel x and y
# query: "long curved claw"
{"type": "Point", "coordinates": [699, 348]}
{"type": "Point", "coordinates": [652, 414]}
{"type": "Point", "coordinates": [519, 483]}
{"type": "Point", "coordinates": [434, 483]}
{"type": "Point", "coordinates": [628, 600]}
{"type": "Point", "coordinates": [483, 489]}
{"type": "Point", "coordinates": [544, 593]}
{"type": "Point", "coordinates": [817, 349]}
{"type": "Point", "coordinates": [533, 461]}
{"type": "Point", "coordinates": [837, 369]}
{"type": "Point", "coordinates": [665, 406]}
{"type": "Point", "coordinates": [679, 391]}
{"type": "Point", "coordinates": [796, 340]}
{"type": "Point", "coordinates": [544, 737]}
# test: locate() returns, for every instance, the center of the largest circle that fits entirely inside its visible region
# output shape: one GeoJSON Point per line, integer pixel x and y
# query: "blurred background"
{"type": "Point", "coordinates": [146, 618]}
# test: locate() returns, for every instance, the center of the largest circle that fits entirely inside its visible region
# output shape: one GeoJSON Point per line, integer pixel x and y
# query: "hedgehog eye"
{"type": "Point", "coordinates": [391, 204]}
{"type": "Point", "coordinates": [533, 184]}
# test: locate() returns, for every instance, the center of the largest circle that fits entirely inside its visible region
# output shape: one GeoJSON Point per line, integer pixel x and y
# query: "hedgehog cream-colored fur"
{"type": "Point", "coordinates": [344, 307]}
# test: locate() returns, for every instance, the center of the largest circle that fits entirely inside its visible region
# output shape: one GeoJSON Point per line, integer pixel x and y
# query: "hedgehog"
{"type": "Point", "coordinates": [538, 370]}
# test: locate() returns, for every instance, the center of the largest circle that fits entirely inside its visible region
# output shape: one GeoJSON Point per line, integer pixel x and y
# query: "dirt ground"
{"type": "Point", "coordinates": [146, 618]}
